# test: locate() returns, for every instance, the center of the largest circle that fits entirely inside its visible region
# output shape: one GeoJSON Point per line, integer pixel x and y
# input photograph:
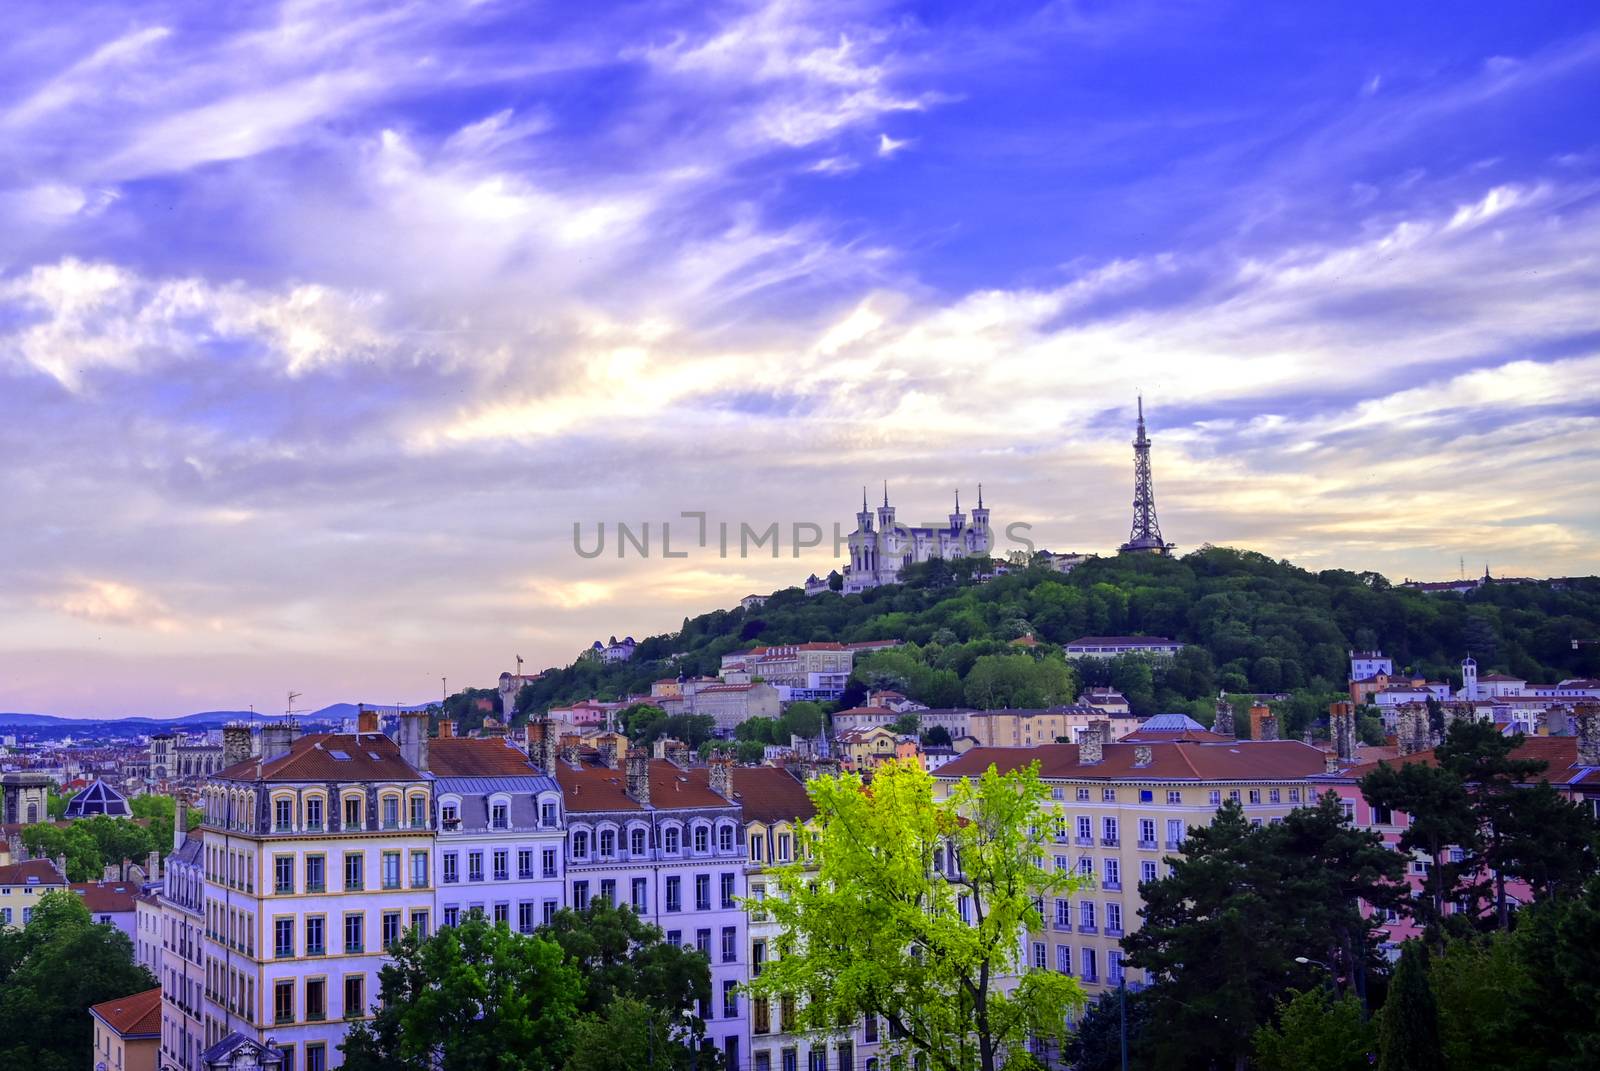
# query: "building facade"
{"type": "Point", "coordinates": [880, 547]}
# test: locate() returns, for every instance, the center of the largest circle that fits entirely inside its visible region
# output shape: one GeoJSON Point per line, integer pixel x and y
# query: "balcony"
{"type": "Point", "coordinates": [316, 950]}
{"type": "Point", "coordinates": [1173, 845]}
{"type": "Point", "coordinates": [1147, 845]}
{"type": "Point", "coordinates": [314, 827]}
{"type": "Point", "coordinates": [1088, 927]}
{"type": "Point", "coordinates": [1114, 886]}
{"type": "Point", "coordinates": [1113, 931]}
{"type": "Point", "coordinates": [499, 875]}
{"type": "Point", "coordinates": [1083, 842]}
{"type": "Point", "coordinates": [1110, 842]}
{"type": "Point", "coordinates": [315, 886]}
{"type": "Point", "coordinates": [284, 888]}
{"type": "Point", "coordinates": [352, 948]}
{"type": "Point", "coordinates": [281, 953]}
{"type": "Point", "coordinates": [316, 1016]}
{"type": "Point", "coordinates": [283, 1018]}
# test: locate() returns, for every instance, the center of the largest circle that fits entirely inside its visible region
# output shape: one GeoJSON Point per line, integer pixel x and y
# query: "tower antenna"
{"type": "Point", "coordinates": [1145, 535]}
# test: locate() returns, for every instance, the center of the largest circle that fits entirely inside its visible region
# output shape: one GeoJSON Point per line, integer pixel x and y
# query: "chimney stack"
{"type": "Point", "coordinates": [236, 746]}
{"type": "Point", "coordinates": [152, 866]}
{"type": "Point", "coordinates": [413, 738]}
{"type": "Point", "coordinates": [447, 728]}
{"type": "Point", "coordinates": [180, 821]}
{"type": "Point", "coordinates": [1342, 727]}
{"type": "Point", "coordinates": [720, 775]}
{"type": "Point", "coordinates": [1091, 745]}
{"type": "Point", "coordinates": [61, 865]}
{"type": "Point", "coordinates": [1411, 728]}
{"type": "Point", "coordinates": [638, 764]}
{"type": "Point", "coordinates": [1259, 712]}
{"type": "Point", "coordinates": [276, 740]}
{"type": "Point", "coordinates": [1587, 719]}
{"type": "Point", "coordinates": [1223, 722]}
{"type": "Point", "coordinates": [1331, 765]}
{"type": "Point", "coordinates": [366, 720]}
{"type": "Point", "coordinates": [1142, 754]}
{"type": "Point", "coordinates": [1269, 727]}
{"type": "Point", "coordinates": [607, 747]}
{"type": "Point", "coordinates": [569, 748]}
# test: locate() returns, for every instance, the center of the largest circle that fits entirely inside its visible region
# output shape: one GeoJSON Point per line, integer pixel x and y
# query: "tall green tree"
{"type": "Point", "coordinates": [914, 909]}
{"type": "Point", "coordinates": [630, 1035]}
{"type": "Point", "coordinates": [619, 955]}
{"type": "Point", "coordinates": [1477, 753]}
{"type": "Point", "coordinates": [1097, 1038]}
{"type": "Point", "coordinates": [473, 996]}
{"type": "Point", "coordinates": [1481, 986]}
{"type": "Point", "coordinates": [1439, 807]}
{"type": "Point", "coordinates": [51, 972]}
{"type": "Point", "coordinates": [1408, 1028]}
{"type": "Point", "coordinates": [1316, 1031]}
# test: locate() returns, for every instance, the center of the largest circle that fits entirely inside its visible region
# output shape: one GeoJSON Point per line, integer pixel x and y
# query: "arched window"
{"type": "Point", "coordinates": [580, 844]}
{"type": "Point", "coordinates": [702, 839]}
{"type": "Point", "coordinates": [636, 844]}
{"type": "Point", "coordinates": [724, 838]}
{"type": "Point", "coordinates": [670, 837]}
{"type": "Point", "coordinates": [33, 812]}
{"type": "Point", "coordinates": [608, 843]}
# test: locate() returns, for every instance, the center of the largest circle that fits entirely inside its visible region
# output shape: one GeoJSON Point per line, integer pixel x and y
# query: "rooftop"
{"type": "Point", "coordinates": [31, 872]}
{"type": "Point", "coordinates": [462, 756]}
{"type": "Point", "coordinates": [330, 757]}
{"type": "Point", "coordinates": [133, 1016]}
{"type": "Point", "coordinates": [592, 787]}
{"type": "Point", "coordinates": [770, 794]}
{"type": "Point", "coordinates": [106, 897]}
{"type": "Point", "coordinates": [1242, 760]}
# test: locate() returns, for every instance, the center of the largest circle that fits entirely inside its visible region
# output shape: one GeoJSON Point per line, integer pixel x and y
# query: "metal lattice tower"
{"type": "Point", "coordinates": [1145, 536]}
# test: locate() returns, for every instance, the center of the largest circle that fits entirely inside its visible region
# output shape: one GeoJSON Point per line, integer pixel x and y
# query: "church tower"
{"type": "Point", "coordinates": [885, 511]}
{"type": "Point", "coordinates": [864, 518]}
{"type": "Point", "coordinates": [1145, 536]}
{"type": "Point", "coordinates": [958, 520]}
{"type": "Point", "coordinates": [982, 536]}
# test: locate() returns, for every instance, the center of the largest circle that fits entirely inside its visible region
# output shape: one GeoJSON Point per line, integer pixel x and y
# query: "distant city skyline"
{"type": "Point", "coordinates": [322, 325]}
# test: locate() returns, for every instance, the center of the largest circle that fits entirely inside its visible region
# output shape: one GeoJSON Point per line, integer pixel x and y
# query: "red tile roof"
{"type": "Point", "coordinates": [41, 871]}
{"type": "Point", "coordinates": [460, 756]}
{"type": "Point", "coordinates": [1560, 753]}
{"type": "Point", "coordinates": [600, 788]}
{"type": "Point", "coordinates": [371, 757]}
{"type": "Point", "coordinates": [133, 1016]}
{"type": "Point", "coordinates": [1243, 760]}
{"type": "Point", "coordinates": [106, 897]}
{"type": "Point", "coordinates": [770, 794]}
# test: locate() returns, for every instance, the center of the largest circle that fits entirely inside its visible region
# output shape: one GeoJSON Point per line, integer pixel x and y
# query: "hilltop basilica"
{"type": "Point", "coordinates": [877, 554]}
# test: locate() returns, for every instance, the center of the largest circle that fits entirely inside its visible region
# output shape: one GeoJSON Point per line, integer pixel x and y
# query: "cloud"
{"type": "Point", "coordinates": [888, 146]}
{"type": "Point", "coordinates": [110, 602]}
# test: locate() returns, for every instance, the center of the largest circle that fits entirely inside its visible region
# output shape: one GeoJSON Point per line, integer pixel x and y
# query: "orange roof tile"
{"type": "Point", "coordinates": [138, 1015]}
{"type": "Point", "coordinates": [460, 756]}
{"type": "Point", "coordinates": [1243, 760]}
{"type": "Point", "coordinates": [369, 757]}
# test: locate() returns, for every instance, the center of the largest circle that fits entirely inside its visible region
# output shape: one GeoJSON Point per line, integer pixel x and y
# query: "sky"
{"type": "Point", "coordinates": [325, 326]}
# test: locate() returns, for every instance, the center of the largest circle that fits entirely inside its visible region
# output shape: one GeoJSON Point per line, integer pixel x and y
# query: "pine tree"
{"type": "Point", "coordinates": [1408, 1033]}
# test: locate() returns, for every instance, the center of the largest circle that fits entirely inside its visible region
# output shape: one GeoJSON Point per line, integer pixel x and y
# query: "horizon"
{"type": "Point", "coordinates": [321, 327]}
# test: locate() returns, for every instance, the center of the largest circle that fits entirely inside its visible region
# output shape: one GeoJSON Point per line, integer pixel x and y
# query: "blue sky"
{"type": "Point", "coordinates": [321, 324]}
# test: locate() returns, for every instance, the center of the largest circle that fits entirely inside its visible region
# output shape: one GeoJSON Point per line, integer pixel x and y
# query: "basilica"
{"type": "Point", "coordinates": [879, 550]}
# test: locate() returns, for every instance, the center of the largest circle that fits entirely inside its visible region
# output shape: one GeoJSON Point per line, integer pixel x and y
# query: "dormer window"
{"type": "Point", "coordinates": [725, 839]}
{"type": "Point", "coordinates": [608, 843]}
{"type": "Point", "coordinates": [702, 839]}
{"type": "Point", "coordinates": [500, 816]}
{"type": "Point", "coordinates": [670, 840]}
{"type": "Point", "coordinates": [314, 814]}
{"type": "Point", "coordinates": [352, 812]}
{"type": "Point", "coordinates": [282, 815]}
{"type": "Point", "coordinates": [580, 844]}
{"type": "Point", "coordinates": [419, 812]}
{"type": "Point", "coordinates": [547, 814]}
{"type": "Point", "coordinates": [450, 816]}
{"type": "Point", "coordinates": [636, 842]}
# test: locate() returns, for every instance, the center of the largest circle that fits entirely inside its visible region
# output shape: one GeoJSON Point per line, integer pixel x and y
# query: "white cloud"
{"type": "Point", "coordinates": [888, 146]}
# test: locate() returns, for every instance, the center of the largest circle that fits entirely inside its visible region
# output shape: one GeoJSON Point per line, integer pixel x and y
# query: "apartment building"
{"type": "Point", "coordinates": [181, 959]}
{"type": "Point", "coordinates": [1121, 809]}
{"type": "Point", "coordinates": [317, 856]}
{"type": "Point", "coordinates": [668, 841]}
{"type": "Point", "coordinates": [1026, 728]}
{"type": "Point", "coordinates": [501, 843]}
{"type": "Point", "coordinates": [23, 885]}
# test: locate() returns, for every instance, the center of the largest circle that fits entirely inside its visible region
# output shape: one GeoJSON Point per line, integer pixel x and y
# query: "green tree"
{"type": "Point", "coordinates": [51, 971]}
{"type": "Point", "coordinates": [1408, 1028]}
{"type": "Point", "coordinates": [1557, 944]}
{"type": "Point", "coordinates": [872, 926]}
{"type": "Point", "coordinates": [1477, 753]}
{"type": "Point", "coordinates": [630, 1035]}
{"type": "Point", "coordinates": [1096, 1043]}
{"type": "Point", "coordinates": [906, 724]}
{"type": "Point", "coordinates": [1481, 984]}
{"type": "Point", "coordinates": [471, 996]}
{"type": "Point", "coordinates": [1317, 1032]}
{"type": "Point", "coordinates": [803, 718]}
{"type": "Point", "coordinates": [618, 955]}
{"type": "Point", "coordinates": [1441, 814]}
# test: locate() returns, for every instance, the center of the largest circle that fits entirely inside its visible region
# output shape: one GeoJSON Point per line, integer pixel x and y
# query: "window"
{"type": "Point", "coordinates": [1381, 816]}
{"type": "Point", "coordinates": [1174, 797]}
{"type": "Point", "coordinates": [669, 840]}
{"type": "Point", "coordinates": [500, 816]}
{"type": "Point", "coordinates": [1086, 916]}
{"type": "Point", "coordinates": [1233, 795]}
{"type": "Point", "coordinates": [1062, 864]}
{"type": "Point", "coordinates": [580, 895]}
{"type": "Point", "coordinates": [283, 1001]}
{"type": "Point", "coordinates": [783, 847]}
{"type": "Point", "coordinates": [1038, 955]}
{"type": "Point", "coordinates": [452, 868]}
{"type": "Point", "coordinates": [548, 913]}
{"type": "Point", "coordinates": [580, 844]}
{"type": "Point", "coordinates": [391, 812]}
{"type": "Point", "coordinates": [354, 880]}
{"type": "Point", "coordinates": [314, 814]}
{"type": "Point", "coordinates": [1108, 831]}
{"type": "Point", "coordinates": [352, 812]}
{"type": "Point", "coordinates": [702, 941]}
{"type": "Point", "coordinates": [316, 999]}
{"type": "Point", "coordinates": [1113, 919]}
{"type": "Point", "coordinates": [869, 1028]}
{"type": "Point", "coordinates": [355, 999]}
{"type": "Point", "coordinates": [1113, 873]}
{"type": "Point", "coordinates": [1063, 959]}
{"type": "Point", "coordinates": [702, 840]}
{"type": "Point", "coordinates": [730, 999]}
{"type": "Point", "coordinates": [283, 938]}
{"type": "Point", "coordinates": [1147, 871]}
{"type": "Point", "coordinates": [502, 913]}
{"type": "Point", "coordinates": [730, 944]}
{"type": "Point", "coordinates": [1294, 795]}
{"type": "Point", "coordinates": [1083, 795]}
{"type": "Point", "coordinates": [674, 894]}
{"type": "Point", "coordinates": [419, 812]}
{"type": "Point", "coordinates": [608, 843]}
{"type": "Point", "coordinates": [316, 1053]}
{"type": "Point", "coordinates": [1113, 966]}
{"type": "Point", "coordinates": [283, 874]}
{"type": "Point", "coordinates": [1175, 832]}
{"type": "Point", "coordinates": [761, 1023]}
{"type": "Point", "coordinates": [639, 897]}
{"type": "Point", "coordinates": [758, 957]}
{"type": "Point", "coordinates": [675, 937]}
{"type": "Point", "coordinates": [450, 816]}
{"type": "Point", "coordinates": [355, 925]}
{"type": "Point", "coordinates": [608, 890]}
{"type": "Point", "coordinates": [1274, 795]}
{"type": "Point", "coordinates": [474, 866]}
{"type": "Point", "coordinates": [502, 864]}
{"type": "Point", "coordinates": [702, 892]}
{"type": "Point", "coordinates": [547, 814]}
{"type": "Point", "coordinates": [1085, 828]}
{"type": "Point", "coordinates": [1147, 832]}
{"type": "Point", "coordinates": [725, 839]}
{"type": "Point", "coordinates": [451, 916]}
{"type": "Point", "coordinates": [419, 922]}
{"type": "Point", "coordinates": [391, 870]}
{"type": "Point", "coordinates": [315, 867]}
{"type": "Point", "coordinates": [1146, 796]}
{"type": "Point", "coordinates": [1090, 973]}
{"type": "Point", "coordinates": [636, 842]}
{"type": "Point", "coordinates": [1108, 795]}
{"type": "Point", "coordinates": [419, 870]}
{"type": "Point", "coordinates": [1348, 809]}
{"type": "Point", "coordinates": [282, 815]}
{"type": "Point", "coordinates": [1255, 795]}
{"type": "Point", "coordinates": [314, 936]}
{"type": "Point", "coordinates": [1086, 867]}
{"type": "Point", "coordinates": [1064, 914]}
{"type": "Point", "coordinates": [391, 928]}
{"type": "Point", "coordinates": [1215, 797]}
{"type": "Point", "coordinates": [548, 861]}
{"type": "Point", "coordinates": [726, 882]}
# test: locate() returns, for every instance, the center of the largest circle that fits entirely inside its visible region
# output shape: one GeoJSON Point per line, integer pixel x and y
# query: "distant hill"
{"type": "Point", "coordinates": [56, 725]}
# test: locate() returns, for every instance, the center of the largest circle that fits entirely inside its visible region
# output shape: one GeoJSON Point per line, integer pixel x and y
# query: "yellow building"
{"type": "Point", "coordinates": [317, 857]}
{"type": "Point", "coordinates": [23, 885]}
{"type": "Point", "coordinates": [1123, 808]}
{"type": "Point", "coordinates": [862, 749]}
{"type": "Point", "coordinates": [127, 1031]}
{"type": "Point", "coordinates": [1026, 728]}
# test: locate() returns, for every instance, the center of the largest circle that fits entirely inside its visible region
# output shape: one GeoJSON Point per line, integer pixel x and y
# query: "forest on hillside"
{"type": "Point", "coordinates": [1254, 624]}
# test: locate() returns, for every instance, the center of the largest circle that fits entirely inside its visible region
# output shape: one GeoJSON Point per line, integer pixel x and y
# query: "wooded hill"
{"type": "Point", "coordinates": [1253, 625]}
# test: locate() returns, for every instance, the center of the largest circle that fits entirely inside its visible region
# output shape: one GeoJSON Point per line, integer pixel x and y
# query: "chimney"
{"type": "Point", "coordinates": [1091, 745]}
{"type": "Point", "coordinates": [1409, 734]}
{"type": "Point", "coordinates": [638, 764]}
{"type": "Point", "coordinates": [607, 747]}
{"type": "Point", "coordinates": [235, 743]}
{"type": "Point", "coordinates": [1269, 727]}
{"type": "Point", "coordinates": [152, 866]}
{"type": "Point", "coordinates": [1258, 713]}
{"type": "Point", "coordinates": [1587, 719]}
{"type": "Point", "coordinates": [276, 740]}
{"type": "Point", "coordinates": [366, 720]}
{"type": "Point", "coordinates": [569, 748]}
{"type": "Point", "coordinates": [1142, 754]}
{"type": "Point", "coordinates": [1223, 722]}
{"type": "Point", "coordinates": [1342, 727]}
{"type": "Point", "coordinates": [413, 738]}
{"type": "Point", "coordinates": [1332, 764]}
{"type": "Point", "coordinates": [61, 865]}
{"type": "Point", "coordinates": [180, 821]}
{"type": "Point", "coordinates": [719, 775]}
{"type": "Point", "coordinates": [447, 728]}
